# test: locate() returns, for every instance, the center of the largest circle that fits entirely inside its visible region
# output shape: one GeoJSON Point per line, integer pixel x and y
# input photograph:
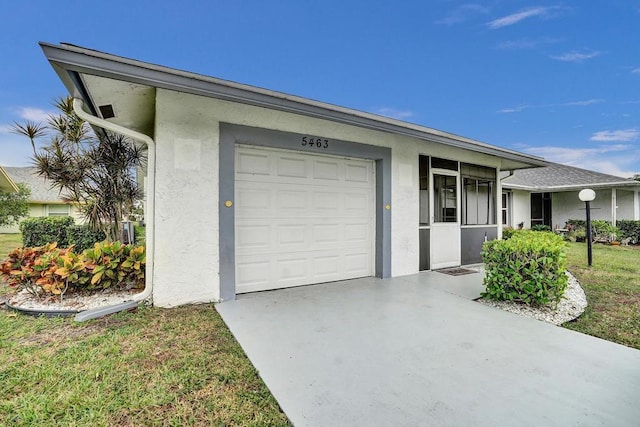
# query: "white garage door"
{"type": "Point", "coordinates": [301, 218]}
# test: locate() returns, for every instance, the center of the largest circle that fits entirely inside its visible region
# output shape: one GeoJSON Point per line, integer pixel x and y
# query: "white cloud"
{"type": "Point", "coordinates": [616, 135]}
{"type": "Point", "coordinates": [514, 109]}
{"type": "Point", "coordinates": [463, 13]}
{"type": "Point", "coordinates": [34, 114]}
{"type": "Point", "coordinates": [517, 17]}
{"type": "Point", "coordinates": [574, 56]}
{"type": "Point", "coordinates": [582, 103]}
{"type": "Point", "coordinates": [523, 107]}
{"type": "Point", "coordinates": [619, 159]}
{"type": "Point", "coordinates": [394, 113]}
{"type": "Point", "coordinates": [636, 70]}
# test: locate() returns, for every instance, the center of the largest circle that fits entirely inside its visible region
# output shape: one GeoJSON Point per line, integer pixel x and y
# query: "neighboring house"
{"type": "Point", "coordinates": [250, 189]}
{"type": "Point", "coordinates": [44, 201]}
{"type": "Point", "coordinates": [549, 196]}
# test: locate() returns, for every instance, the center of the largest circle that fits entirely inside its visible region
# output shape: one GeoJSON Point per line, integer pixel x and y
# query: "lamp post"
{"type": "Point", "coordinates": [587, 195]}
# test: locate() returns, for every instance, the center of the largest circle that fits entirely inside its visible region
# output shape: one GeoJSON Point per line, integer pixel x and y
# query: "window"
{"type": "Point", "coordinates": [478, 195]}
{"type": "Point", "coordinates": [57, 210]}
{"type": "Point", "coordinates": [445, 198]}
{"type": "Point", "coordinates": [437, 163]}
{"type": "Point", "coordinates": [424, 190]}
{"type": "Point", "coordinates": [541, 209]}
{"type": "Point", "coordinates": [506, 200]}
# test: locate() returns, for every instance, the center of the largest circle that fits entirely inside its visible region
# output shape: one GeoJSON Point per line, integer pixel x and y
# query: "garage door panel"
{"type": "Point", "coordinates": [310, 220]}
{"type": "Point", "coordinates": [325, 169]}
{"type": "Point", "coordinates": [254, 163]}
{"type": "Point", "coordinates": [291, 235]}
{"type": "Point", "coordinates": [293, 200]}
{"type": "Point", "coordinates": [358, 173]}
{"type": "Point", "coordinates": [357, 263]}
{"type": "Point", "coordinates": [253, 237]}
{"type": "Point", "coordinates": [292, 167]}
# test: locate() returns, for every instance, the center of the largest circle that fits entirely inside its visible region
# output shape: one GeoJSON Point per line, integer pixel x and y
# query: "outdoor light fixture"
{"type": "Point", "coordinates": [588, 195]}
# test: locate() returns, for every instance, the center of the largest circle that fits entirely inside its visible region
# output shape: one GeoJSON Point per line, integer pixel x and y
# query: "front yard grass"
{"type": "Point", "coordinates": [155, 366]}
{"type": "Point", "coordinates": [612, 286]}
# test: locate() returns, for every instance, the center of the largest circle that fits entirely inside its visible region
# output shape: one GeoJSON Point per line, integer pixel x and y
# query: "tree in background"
{"type": "Point", "coordinates": [14, 205]}
{"type": "Point", "coordinates": [93, 170]}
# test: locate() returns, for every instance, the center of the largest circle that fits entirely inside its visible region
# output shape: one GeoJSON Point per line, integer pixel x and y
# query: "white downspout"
{"type": "Point", "coordinates": [149, 216]}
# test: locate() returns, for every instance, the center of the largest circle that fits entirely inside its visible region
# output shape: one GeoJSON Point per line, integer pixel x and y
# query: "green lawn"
{"type": "Point", "coordinates": [612, 286]}
{"type": "Point", "coordinates": [9, 242]}
{"type": "Point", "coordinates": [156, 366]}
{"type": "Point", "coordinates": [182, 366]}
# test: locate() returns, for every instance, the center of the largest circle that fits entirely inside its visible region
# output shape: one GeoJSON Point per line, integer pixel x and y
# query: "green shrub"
{"type": "Point", "coordinates": [49, 270]}
{"type": "Point", "coordinates": [82, 237]}
{"type": "Point", "coordinates": [574, 224]}
{"type": "Point", "coordinates": [507, 232]}
{"type": "Point", "coordinates": [541, 227]}
{"type": "Point", "coordinates": [114, 264]}
{"type": "Point", "coordinates": [629, 229]}
{"type": "Point", "coordinates": [529, 268]}
{"type": "Point", "coordinates": [39, 231]}
{"type": "Point", "coordinates": [139, 233]}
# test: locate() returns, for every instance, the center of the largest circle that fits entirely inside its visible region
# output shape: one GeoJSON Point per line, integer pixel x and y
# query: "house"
{"type": "Point", "coordinates": [549, 196]}
{"type": "Point", "coordinates": [44, 200]}
{"type": "Point", "coordinates": [248, 189]}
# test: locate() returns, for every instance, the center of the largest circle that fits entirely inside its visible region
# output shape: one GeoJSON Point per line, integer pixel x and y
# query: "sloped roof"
{"type": "Point", "coordinates": [97, 78]}
{"type": "Point", "coordinates": [560, 177]}
{"type": "Point", "coordinates": [41, 189]}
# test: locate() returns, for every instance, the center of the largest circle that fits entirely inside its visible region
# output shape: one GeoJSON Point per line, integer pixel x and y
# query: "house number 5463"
{"type": "Point", "coordinates": [308, 141]}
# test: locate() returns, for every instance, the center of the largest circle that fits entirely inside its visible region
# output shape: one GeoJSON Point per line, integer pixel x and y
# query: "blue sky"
{"type": "Point", "coordinates": [556, 79]}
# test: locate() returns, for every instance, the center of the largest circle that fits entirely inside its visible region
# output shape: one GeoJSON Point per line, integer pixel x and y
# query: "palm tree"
{"type": "Point", "coordinates": [31, 130]}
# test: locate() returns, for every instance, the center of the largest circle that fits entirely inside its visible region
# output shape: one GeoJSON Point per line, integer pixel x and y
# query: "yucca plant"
{"type": "Point", "coordinates": [93, 170]}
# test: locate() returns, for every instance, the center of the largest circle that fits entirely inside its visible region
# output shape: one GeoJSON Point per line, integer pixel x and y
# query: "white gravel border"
{"type": "Point", "coordinates": [572, 305]}
{"type": "Point", "coordinates": [25, 300]}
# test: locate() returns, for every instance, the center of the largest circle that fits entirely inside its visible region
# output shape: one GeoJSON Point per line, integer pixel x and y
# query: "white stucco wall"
{"type": "Point", "coordinates": [38, 209]}
{"type": "Point", "coordinates": [566, 205]}
{"type": "Point", "coordinates": [187, 138]}
{"type": "Point", "coordinates": [521, 208]}
{"type": "Point", "coordinates": [625, 204]}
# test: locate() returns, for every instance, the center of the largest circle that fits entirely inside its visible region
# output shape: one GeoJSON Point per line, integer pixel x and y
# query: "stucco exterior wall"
{"type": "Point", "coordinates": [566, 205]}
{"type": "Point", "coordinates": [38, 209]}
{"type": "Point", "coordinates": [521, 208]}
{"type": "Point", "coordinates": [625, 204]}
{"type": "Point", "coordinates": [187, 138]}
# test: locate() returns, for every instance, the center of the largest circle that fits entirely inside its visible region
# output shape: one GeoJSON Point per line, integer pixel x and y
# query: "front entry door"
{"type": "Point", "coordinates": [445, 219]}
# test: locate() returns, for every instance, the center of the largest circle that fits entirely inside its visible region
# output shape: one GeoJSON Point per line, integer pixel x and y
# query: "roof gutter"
{"type": "Point", "coordinates": [12, 184]}
{"type": "Point", "coordinates": [78, 105]}
{"type": "Point", "coordinates": [554, 188]}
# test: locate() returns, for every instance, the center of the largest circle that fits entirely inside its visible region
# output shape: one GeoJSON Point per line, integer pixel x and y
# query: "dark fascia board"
{"type": "Point", "coordinates": [68, 59]}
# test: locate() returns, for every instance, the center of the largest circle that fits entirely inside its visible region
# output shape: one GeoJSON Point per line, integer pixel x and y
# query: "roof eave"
{"type": "Point", "coordinates": [557, 188]}
{"type": "Point", "coordinates": [68, 60]}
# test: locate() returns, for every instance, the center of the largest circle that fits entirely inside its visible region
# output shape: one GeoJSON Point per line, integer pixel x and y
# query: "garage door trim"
{"type": "Point", "coordinates": [231, 135]}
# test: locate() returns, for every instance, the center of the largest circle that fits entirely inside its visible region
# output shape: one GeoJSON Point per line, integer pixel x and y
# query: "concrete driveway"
{"type": "Point", "coordinates": [417, 350]}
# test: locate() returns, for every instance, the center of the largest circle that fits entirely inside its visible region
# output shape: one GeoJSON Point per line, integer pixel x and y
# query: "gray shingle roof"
{"type": "Point", "coordinates": [557, 176]}
{"type": "Point", "coordinates": [41, 190]}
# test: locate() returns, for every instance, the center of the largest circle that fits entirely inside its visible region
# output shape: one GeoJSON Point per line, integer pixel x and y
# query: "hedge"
{"type": "Point", "coordinates": [529, 268]}
{"type": "Point", "coordinates": [40, 231]}
{"type": "Point", "coordinates": [629, 229]}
